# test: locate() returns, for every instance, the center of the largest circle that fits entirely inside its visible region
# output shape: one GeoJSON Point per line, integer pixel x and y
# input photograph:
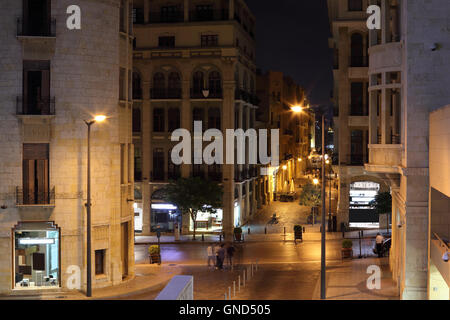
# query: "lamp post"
{"type": "Point", "coordinates": [323, 251]}
{"type": "Point", "coordinates": [329, 196]}
{"type": "Point", "coordinates": [88, 207]}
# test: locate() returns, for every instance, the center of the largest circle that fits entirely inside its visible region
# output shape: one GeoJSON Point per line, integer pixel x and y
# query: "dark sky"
{"type": "Point", "coordinates": [292, 37]}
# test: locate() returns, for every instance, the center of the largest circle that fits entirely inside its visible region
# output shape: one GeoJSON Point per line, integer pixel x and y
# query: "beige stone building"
{"type": "Point", "coordinates": [349, 42]}
{"type": "Point", "coordinates": [439, 206]}
{"type": "Point", "coordinates": [279, 94]}
{"type": "Point", "coordinates": [51, 80]}
{"type": "Point", "coordinates": [193, 61]}
{"type": "Point", "coordinates": [408, 70]}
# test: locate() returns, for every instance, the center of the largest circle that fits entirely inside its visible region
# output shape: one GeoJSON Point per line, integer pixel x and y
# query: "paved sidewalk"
{"type": "Point", "coordinates": [147, 278]}
{"type": "Point", "coordinates": [348, 281]}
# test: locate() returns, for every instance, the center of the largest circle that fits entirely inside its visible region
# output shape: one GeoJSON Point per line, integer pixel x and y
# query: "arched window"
{"type": "Point", "coordinates": [197, 83]}
{"type": "Point", "coordinates": [137, 89]}
{"type": "Point", "coordinates": [357, 50]}
{"type": "Point", "coordinates": [215, 85]}
{"type": "Point", "coordinates": [159, 86]}
{"type": "Point", "coordinates": [174, 91]}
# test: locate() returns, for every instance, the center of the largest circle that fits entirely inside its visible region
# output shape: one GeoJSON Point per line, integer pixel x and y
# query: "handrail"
{"type": "Point", "coordinates": [442, 242]}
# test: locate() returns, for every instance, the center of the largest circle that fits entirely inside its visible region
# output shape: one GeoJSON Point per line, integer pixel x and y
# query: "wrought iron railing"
{"type": "Point", "coordinates": [25, 196]}
{"type": "Point", "coordinates": [209, 15]}
{"type": "Point", "coordinates": [39, 107]}
{"type": "Point", "coordinates": [24, 29]}
{"type": "Point", "coordinates": [159, 17]}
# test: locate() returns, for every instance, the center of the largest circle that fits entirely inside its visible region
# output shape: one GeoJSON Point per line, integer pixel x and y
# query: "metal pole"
{"type": "Point", "coordinates": [243, 278]}
{"type": "Point", "coordinates": [229, 293]}
{"type": "Point", "coordinates": [234, 288]}
{"type": "Point", "coordinates": [239, 283]}
{"type": "Point", "coordinates": [88, 216]}
{"type": "Point", "coordinates": [329, 202]}
{"type": "Point", "coordinates": [323, 263]}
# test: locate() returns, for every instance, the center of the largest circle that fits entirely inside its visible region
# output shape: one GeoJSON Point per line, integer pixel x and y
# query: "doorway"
{"type": "Point", "coordinates": [124, 249]}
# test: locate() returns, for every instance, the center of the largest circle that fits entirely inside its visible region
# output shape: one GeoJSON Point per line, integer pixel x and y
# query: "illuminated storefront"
{"type": "Point", "coordinates": [36, 255]}
{"type": "Point", "coordinates": [361, 214]}
{"type": "Point", "coordinates": [208, 222]}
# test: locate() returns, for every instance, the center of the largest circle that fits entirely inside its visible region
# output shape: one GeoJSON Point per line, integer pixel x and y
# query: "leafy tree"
{"type": "Point", "coordinates": [193, 195]}
{"type": "Point", "coordinates": [383, 205]}
{"type": "Point", "coordinates": [311, 196]}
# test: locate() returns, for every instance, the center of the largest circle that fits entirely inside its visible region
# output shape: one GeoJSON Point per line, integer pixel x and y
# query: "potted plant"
{"type": "Point", "coordinates": [238, 233]}
{"type": "Point", "coordinates": [347, 250]}
{"type": "Point", "coordinates": [154, 253]}
{"type": "Point", "coordinates": [298, 232]}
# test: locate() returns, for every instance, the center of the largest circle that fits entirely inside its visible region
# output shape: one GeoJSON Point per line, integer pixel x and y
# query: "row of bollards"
{"type": "Point", "coordinates": [247, 274]}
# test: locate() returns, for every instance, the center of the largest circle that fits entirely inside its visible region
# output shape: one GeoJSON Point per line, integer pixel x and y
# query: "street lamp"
{"type": "Point", "coordinates": [98, 118]}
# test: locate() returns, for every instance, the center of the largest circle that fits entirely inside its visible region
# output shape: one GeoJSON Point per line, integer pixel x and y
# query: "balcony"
{"type": "Point", "coordinates": [44, 30]}
{"type": "Point", "coordinates": [209, 15]}
{"type": "Point", "coordinates": [385, 57]}
{"type": "Point", "coordinates": [158, 17]}
{"type": "Point", "coordinates": [41, 107]}
{"type": "Point", "coordinates": [206, 94]}
{"type": "Point", "coordinates": [384, 158]}
{"type": "Point", "coordinates": [160, 94]}
{"type": "Point", "coordinates": [34, 198]}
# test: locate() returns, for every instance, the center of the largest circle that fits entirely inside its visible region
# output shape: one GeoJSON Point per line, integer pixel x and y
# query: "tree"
{"type": "Point", "coordinates": [310, 196]}
{"type": "Point", "coordinates": [194, 195]}
{"type": "Point", "coordinates": [383, 205]}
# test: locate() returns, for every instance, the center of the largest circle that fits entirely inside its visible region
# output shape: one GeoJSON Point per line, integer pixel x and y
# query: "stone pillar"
{"type": "Point", "coordinates": [186, 118]}
{"type": "Point", "coordinates": [228, 169]}
{"type": "Point", "coordinates": [344, 194]}
{"type": "Point", "coordinates": [231, 9]}
{"type": "Point", "coordinates": [186, 10]}
{"type": "Point", "coordinates": [385, 113]}
{"type": "Point", "coordinates": [146, 11]}
{"type": "Point", "coordinates": [373, 118]}
{"type": "Point", "coordinates": [385, 21]}
{"type": "Point", "coordinates": [146, 150]}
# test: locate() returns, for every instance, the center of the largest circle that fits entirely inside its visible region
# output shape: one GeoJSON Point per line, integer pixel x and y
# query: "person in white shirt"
{"type": "Point", "coordinates": [379, 243]}
{"type": "Point", "coordinates": [211, 256]}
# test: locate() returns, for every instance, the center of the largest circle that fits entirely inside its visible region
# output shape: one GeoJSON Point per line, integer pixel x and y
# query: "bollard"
{"type": "Point", "coordinates": [252, 269]}
{"type": "Point", "coordinates": [265, 230]}
{"type": "Point", "coordinates": [225, 296]}
{"type": "Point", "coordinates": [229, 293]}
{"type": "Point", "coordinates": [203, 237]}
{"type": "Point", "coordinates": [220, 237]}
{"type": "Point", "coordinates": [239, 283]}
{"type": "Point", "coordinates": [243, 278]}
{"type": "Point", "coordinates": [248, 230]}
{"type": "Point", "coordinates": [256, 265]}
{"type": "Point", "coordinates": [234, 288]}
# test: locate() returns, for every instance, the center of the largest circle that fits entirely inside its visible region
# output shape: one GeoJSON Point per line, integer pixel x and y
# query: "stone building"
{"type": "Point", "coordinates": [408, 70]}
{"type": "Point", "coordinates": [193, 61]}
{"type": "Point", "coordinates": [279, 95]}
{"type": "Point", "coordinates": [51, 80]}
{"type": "Point", "coordinates": [349, 43]}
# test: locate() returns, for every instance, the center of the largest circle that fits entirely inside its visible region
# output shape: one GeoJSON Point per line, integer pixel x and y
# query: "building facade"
{"type": "Point", "coordinates": [52, 79]}
{"type": "Point", "coordinates": [278, 95]}
{"type": "Point", "coordinates": [349, 43]}
{"type": "Point", "coordinates": [193, 61]}
{"type": "Point", "coordinates": [408, 65]}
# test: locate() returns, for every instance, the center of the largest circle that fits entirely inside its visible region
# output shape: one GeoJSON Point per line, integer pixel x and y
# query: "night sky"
{"type": "Point", "coordinates": [292, 37]}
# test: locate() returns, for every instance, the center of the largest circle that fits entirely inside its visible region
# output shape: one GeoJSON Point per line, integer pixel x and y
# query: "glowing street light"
{"type": "Point", "coordinates": [299, 159]}
{"type": "Point", "coordinates": [99, 118]}
{"type": "Point", "coordinates": [296, 109]}
{"type": "Point", "coordinates": [316, 181]}
{"type": "Point", "coordinates": [284, 167]}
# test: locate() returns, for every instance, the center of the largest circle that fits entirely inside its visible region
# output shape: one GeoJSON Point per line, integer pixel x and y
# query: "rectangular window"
{"type": "Point", "coordinates": [210, 40]}
{"type": "Point", "coordinates": [357, 147]}
{"type": "Point", "coordinates": [36, 173]}
{"type": "Point", "coordinates": [174, 171]}
{"type": "Point", "coordinates": [122, 16]}
{"type": "Point", "coordinates": [355, 5]}
{"type": "Point", "coordinates": [166, 42]}
{"type": "Point", "coordinates": [171, 14]}
{"type": "Point", "coordinates": [36, 18]}
{"type": "Point", "coordinates": [158, 120]}
{"type": "Point", "coordinates": [99, 262]}
{"type": "Point", "coordinates": [36, 89]}
{"type": "Point", "coordinates": [158, 164]}
{"type": "Point", "coordinates": [357, 94]}
{"type": "Point", "coordinates": [123, 179]}
{"type": "Point", "coordinates": [122, 84]}
{"type": "Point", "coordinates": [204, 13]}
{"type": "Point", "coordinates": [136, 119]}
{"type": "Point", "coordinates": [137, 161]}
{"type": "Point", "coordinates": [138, 16]}
{"type": "Point", "coordinates": [174, 119]}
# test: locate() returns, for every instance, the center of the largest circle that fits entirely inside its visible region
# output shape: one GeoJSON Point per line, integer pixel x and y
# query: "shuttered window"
{"type": "Point", "coordinates": [36, 173]}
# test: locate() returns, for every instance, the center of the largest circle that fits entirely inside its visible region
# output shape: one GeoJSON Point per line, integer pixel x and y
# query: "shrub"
{"type": "Point", "coordinates": [298, 228]}
{"type": "Point", "coordinates": [238, 230]}
{"type": "Point", "coordinates": [153, 249]}
{"type": "Point", "coordinates": [347, 243]}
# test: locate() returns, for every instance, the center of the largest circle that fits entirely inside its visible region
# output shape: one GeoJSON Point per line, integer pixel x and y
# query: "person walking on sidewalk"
{"type": "Point", "coordinates": [230, 254]}
{"type": "Point", "coordinates": [211, 256]}
{"type": "Point", "coordinates": [220, 256]}
{"type": "Point", "coordinates": [216, 253]}
{"type": "Point", "coordinates": [379, 243]}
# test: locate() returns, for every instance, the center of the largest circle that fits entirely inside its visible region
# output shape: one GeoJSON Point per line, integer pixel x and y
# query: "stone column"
{"type": "Point", "coordinates": [385, 113]}
{"type": "Point", "coordinates": [373, 118]}
{"type": "Point", "coordinates": [186, 10]}
{"type": "Point", "coordinates": [231, 9]}
{"type": "Point", "coordinates": [146, 11]}
{"type": "Point", "coordinates": [228, 169]}
{"type": "Point", "coordinates": [186, 117]}
{"type": "Point", "coordinates": [146, 150]}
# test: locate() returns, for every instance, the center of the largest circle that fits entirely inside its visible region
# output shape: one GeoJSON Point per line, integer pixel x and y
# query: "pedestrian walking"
{"type": "Point", "coordinates": [230, 254]}
{"type": "Point", "coordinates": [211, 256]}
{"type": "Point", "coordinates": [220, 256]}
{"type": "Point", "coordinates": [216, 253]}
{"type": "Point", "coordinates": [379, 243]}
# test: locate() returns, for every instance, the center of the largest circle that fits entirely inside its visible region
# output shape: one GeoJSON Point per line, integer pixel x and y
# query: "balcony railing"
{"type": "Point", "coordinates": [40, 107]}
{"type": "Point", "coordinates": [359, 62]}
{"type": "Point", "coordinates": [43, 30]}
{"type": "Point", "coordinates": [158, 17]}
{"type": "Point", "coordinates": [171, 93]}
{"type": "Point", "coordinates": [31, 197]}
{"type": "Point", "coordinates": [201, 94]}
{"type": "Point", "coordinates": [209, 15]}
